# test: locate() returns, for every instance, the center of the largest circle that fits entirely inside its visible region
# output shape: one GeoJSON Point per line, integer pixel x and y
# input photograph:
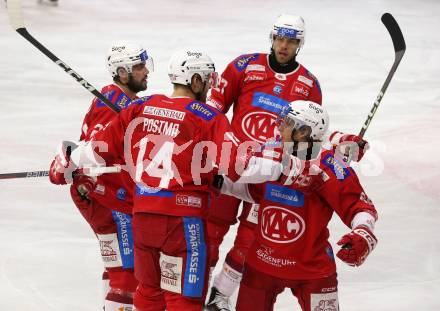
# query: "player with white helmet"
{"type": "Point", "coordinates": [289, 28]}
{"type": "Point", "coordinates": [182, 67]}
{"type": "Point", "coordinates": [259, 87]}
{"type": "Point", "coordinates": [105, 202]}
{"type": "Point", "coordinates": [168, 142]}
{"type": "Point", "coordinates": [291, 248]}
{"type": "Point", "coordinates": [307, 119]}
{"type": "Point", "coordinates": [129, 65]}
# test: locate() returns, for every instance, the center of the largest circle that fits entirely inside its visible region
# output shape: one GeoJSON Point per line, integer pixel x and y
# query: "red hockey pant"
{"type": "Point", "coordinates": [258, 292]}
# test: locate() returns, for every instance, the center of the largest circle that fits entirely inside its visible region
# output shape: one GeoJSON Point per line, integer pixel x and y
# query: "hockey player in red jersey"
{"type": "Point", "coordinates": [105, 201]}
{"type": "Point", "coordinates": [258, 86]}
{"type": "Point", "coordinates": [170, 145]}
{"type": "Point", "coordinates": [291, 249]}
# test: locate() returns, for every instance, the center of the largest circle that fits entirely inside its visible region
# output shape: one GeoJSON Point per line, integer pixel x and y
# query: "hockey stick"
{"type": "Point", "coordinates": [89, 171]}
{"type": "Point", "coordinates": [16, 20]}
{"type": "Point", "coordinates": [399, 49]}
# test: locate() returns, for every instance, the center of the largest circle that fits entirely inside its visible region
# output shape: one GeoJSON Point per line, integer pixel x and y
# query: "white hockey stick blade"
{"type": "Point", "coordinates": [15, 15]}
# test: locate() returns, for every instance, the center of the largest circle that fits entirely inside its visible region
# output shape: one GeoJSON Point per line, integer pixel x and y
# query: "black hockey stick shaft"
{"type": "Point", "coordinates": [16, 20]}
{"type": "Point", "coordinates": [24, 174]}
{"type": "Point", "coordinates": [85, 171]}
{"type": "Point", "coordinates": [399, 49]}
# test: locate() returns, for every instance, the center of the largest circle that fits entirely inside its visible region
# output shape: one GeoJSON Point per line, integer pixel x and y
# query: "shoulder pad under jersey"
{"type": "Point", "coordinates": [202, 110]}
{"type": "Point", "coordinates": [335, 166]}
{"type": "Point", "coordinates": [141, 100]}
{"type": "Point", "coordinates": [312, 76]}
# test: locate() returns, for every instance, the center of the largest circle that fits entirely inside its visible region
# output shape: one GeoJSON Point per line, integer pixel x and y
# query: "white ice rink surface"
{"type": "Point", "coordinates": [49, 259]}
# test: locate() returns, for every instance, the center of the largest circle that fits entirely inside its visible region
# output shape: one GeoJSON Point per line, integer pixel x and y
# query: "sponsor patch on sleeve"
{"type": "Point", "coordinates": [109, 95]}
{"type": "Point", "coordinates": [201, 110]}
{"type": "Point", "coordinates": [141, 101]}
{"type": "Point", "coordinates": [242, 61]}
{"type": "Point", "coordinates": [337, 167]}
{"type": "Point", "coordinates": [122, 101]}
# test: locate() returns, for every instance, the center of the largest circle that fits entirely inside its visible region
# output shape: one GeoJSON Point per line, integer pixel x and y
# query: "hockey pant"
{"type": "Point", "coordinates": [171, 260]}
{"type": "Point", "coordinates": [258, 292]}
{"type": "Point", "coordinates": [114, 232]}
{"type": "Point", "coordinates": [222, 214]}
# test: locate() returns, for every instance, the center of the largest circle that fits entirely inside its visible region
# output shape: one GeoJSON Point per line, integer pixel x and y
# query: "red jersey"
{"type": "Point", "coordinates": [99, 114]}
{"type": "Point", "coordinates": [170, 143]}
{"type": "Point", "coordinates": [292, 235]}
{"type": "Point", "coordinates": [259, 94]}
{"type": "Point", "coordinates": [111, 190]}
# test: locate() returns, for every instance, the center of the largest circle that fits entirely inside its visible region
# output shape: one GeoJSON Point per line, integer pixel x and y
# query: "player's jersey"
{"type": "Point", "coordinates": [99, 114]}
{"type": "Point", "coordinates": [259, 94]}
{"type": "Point", "coordinates": [111, 190]}
{"type": "Point", "coordinates": [170, 143]}
{"type": "Point", "coordinates": [292, 236]}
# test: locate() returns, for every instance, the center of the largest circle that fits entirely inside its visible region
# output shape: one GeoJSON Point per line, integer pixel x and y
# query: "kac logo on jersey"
{"type": "Point", "coordinates": [120, 194]}
{"type": "Point", "coordinates": [259, 126]}
{"type": "Point", "coordinates": [201, 110]}
{"type": "Point", "coordinates": [241, 62]}
{"type": "Point", "coordinates": [277, 89]}
{"type": "Point", "coordinates": [280, 225]}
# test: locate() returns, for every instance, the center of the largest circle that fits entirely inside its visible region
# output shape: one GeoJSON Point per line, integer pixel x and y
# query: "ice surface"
{"type": "Point", "coordinates": [49, 258]}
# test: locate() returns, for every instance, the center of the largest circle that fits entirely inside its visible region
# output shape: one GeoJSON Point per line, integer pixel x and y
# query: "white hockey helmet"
{"type": "Point", "coordinates": [307, 113]}
{"type": "Point", "coordinates": [185, 63]}
{"type": "Point", "coordinates": [290, 26]}
{"type": "Point", "coordinates": [126, 55]}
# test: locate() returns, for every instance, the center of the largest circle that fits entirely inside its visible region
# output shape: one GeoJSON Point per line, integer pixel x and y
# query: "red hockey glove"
{"type": "Point", "coordinates": [349, 146]}
{"type": "Point", "coordinates": [84, 185]}
{"type": "Point", "coordinates": [61, 169]}
{"type": "Point", "coordinates": [356, 246]}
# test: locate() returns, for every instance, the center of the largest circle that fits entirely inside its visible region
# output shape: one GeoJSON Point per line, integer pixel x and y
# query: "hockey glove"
{"type": "Point", "coordinates": [61, 169]}
{"type": "Point", "coordinates": [350, 147]}
{"type": "Point", "coordinates": [84, 185]}
{"type": "Point", "coordinates": [356, 246]}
